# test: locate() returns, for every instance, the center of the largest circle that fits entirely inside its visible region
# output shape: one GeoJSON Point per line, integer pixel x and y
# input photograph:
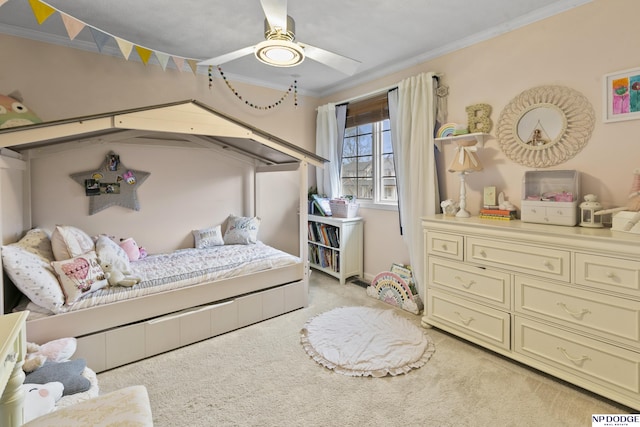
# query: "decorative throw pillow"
{"type": "Point", "coordinates": [68, 373]}
{"type": "Point", "coordinates": [109, 252]}
{"type": "Point", "coordinates": [241, 230]}
{"type": "Point", "coordinates": [79, 276]}
{"type": "Point", "coordinates": [208, 237]}
{"type": "Point", "coordinates": [28, 265]}
{"type": "Point", "coordinates": [68, 242]}
{"type": "Point", "coordinates": [40, 399]}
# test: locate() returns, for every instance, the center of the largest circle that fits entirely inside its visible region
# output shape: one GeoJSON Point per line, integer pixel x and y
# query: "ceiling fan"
{"type": "Point", "coordinates": [280, 49]}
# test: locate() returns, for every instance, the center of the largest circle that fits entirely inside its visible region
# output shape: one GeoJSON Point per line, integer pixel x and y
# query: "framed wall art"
{"type": "Point", "coordinates": [621, 95]}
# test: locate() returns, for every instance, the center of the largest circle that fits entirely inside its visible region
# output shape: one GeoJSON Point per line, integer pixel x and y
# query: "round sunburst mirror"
{"type": "Point", "coordinates": [545, 126]}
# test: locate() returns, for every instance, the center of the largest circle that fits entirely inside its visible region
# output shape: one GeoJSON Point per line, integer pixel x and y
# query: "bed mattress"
{"type": "Point", "coordinates": [182, 268]}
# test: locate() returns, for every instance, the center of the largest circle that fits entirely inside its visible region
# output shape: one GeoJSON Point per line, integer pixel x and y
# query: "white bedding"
{"type": "Point", "coordinates": [185, 267]}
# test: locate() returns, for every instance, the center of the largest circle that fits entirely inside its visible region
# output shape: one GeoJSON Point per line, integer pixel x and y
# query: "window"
{"type": "Point", "coordinates": [368, 171]}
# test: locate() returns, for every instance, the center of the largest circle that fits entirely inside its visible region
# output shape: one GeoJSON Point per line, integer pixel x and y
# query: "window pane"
{"type": "Point", "coordinates": [386, 124]}
{"type": "Point", "coordinates": [350, 187]}
{"type": "Point", "coordinates": [365, 166]}
{"type": "Point", "coordinates": [349, 167]}
{"type": "Point", "coordinates": [388, 168]}
{"type": "Point", "coordinates": [365, 189]}
{"type": "Point", "coordinates": [365, 145]}
{"type": "Point", "coordinates": [368, 128]}
{"type": "Point", "coordinates": [349, 147]}
{"type": "Point", "coordinates": [389, 191]}
{"type": "Point", "coordinates": [386, 143]}
{"type": "Point", "coordinates": [350, 132]}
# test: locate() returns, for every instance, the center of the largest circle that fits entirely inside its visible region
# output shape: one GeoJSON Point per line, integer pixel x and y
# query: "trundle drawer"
{"type": "Point", "coordinates": [471, 320]}
{"type": "Point", "coordinates": [602, 364]}
{"type": "Point", "coordinates": [543, 262]}
{"type": "Point", "coordinates": [446, 245]}
{"type": "Point", "coordinates": [610, 317]}
{"type": "Point", "coordinates": [614, 274]}
{"type": "Point", "coordinates": [478, 283]}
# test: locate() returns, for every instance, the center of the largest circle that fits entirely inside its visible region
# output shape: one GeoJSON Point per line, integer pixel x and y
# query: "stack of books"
{"type": "Point", "coordinates": [501, 214]}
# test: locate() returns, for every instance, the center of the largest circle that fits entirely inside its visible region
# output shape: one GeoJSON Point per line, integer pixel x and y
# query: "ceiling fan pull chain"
{"type": "Point", "coordinates": [292, 88]}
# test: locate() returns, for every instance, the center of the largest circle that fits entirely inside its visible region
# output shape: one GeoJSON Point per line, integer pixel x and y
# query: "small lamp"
{"type": "Point", "coordinates": [465, 161]}
{"type": "Point", "coordinates": [588, 208]}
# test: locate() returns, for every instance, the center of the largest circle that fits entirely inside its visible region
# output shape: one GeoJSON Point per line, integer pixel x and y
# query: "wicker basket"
{"type": "Point", "coordinates": [343, 210]}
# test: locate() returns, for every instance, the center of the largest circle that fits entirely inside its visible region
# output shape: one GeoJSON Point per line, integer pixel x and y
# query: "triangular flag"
{"type": "Point", "coordinates": [72, 25]}
{"type": "Point", "coordinates": [125, 47]}
{"type": "Point", "coordinates": [41, 10]}
{"type": "Point", "coordinates": [3, 2]}
{"type": "Point", "coordinates": [179, 61]}
{"type": "Point", "coordinates": [193, 64]}
{"type": "Point", "coordinates": [100, 38]}
{"type": "Point", "coordinates": [144, 53]}
{"type": "Point", "coordinates": [163, 58]}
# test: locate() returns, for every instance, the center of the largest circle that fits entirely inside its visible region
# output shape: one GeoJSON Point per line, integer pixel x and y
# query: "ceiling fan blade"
{"type": "Point", "coordinates": [338, 62]}
{"type": "Point", "coordinates": [276, 12]}
{"type": "Point", "coordinates": [228, 57]}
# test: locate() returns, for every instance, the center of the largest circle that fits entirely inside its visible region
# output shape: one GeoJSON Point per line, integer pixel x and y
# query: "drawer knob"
{"type": "Point", "coordinates": [578, 361]}
{"type": "Point", "coordinates": [548, 264]}
{"type": "Point", "coordinates": [482, 253]}
{"type": "Point", "coordinates": [611, 275]}
{"type": "Point", "coordinates": [444, 247]}
{"type": "Point", "coordinates": [575, 314]}
{"type": "Point", "coordinates": [463, 320]}
{"type": "Point", "coordinates": [465, 283]}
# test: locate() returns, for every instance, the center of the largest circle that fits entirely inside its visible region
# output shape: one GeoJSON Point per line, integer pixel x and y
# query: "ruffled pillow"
{"type": "Point", "coordinates": [68, 242]}
{"type": "Point", "coordinates": [109, 252]}
{"type": "Point", "coordinates": [241, 230]}
{"type": "Point", "coordinates": [28, 265]}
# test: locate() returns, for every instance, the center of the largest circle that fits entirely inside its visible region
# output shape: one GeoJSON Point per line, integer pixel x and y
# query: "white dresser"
{"type": "Point", "coordinates": [564, 300]}
{"type": "Point", "coordinates": [13, 347]}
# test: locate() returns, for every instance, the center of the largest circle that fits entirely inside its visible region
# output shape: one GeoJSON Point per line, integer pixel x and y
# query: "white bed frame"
{"type": "Point", "coordinates": [123, 332]}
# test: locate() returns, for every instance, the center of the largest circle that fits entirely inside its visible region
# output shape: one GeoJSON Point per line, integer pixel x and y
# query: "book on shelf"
{"type": "Point", "coordinates": [321, 205]}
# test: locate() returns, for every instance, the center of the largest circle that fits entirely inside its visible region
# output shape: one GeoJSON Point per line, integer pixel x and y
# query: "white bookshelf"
{"type": "Point", "coordinates": [336, 245]}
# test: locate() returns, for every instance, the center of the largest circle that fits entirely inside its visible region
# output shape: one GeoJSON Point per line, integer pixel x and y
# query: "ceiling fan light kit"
{"type": "Point", "coordinates": [279, 53]}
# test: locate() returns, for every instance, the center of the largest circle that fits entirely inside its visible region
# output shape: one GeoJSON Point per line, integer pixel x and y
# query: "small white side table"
{"type": "Point", "coordinates": [13, 346]}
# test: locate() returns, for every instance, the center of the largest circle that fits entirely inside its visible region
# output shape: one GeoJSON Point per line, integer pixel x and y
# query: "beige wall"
{"type": "Point", "coordinates": [575, 49]}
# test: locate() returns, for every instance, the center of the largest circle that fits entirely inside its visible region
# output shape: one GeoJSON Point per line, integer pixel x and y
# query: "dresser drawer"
{"type": "Point", "coordinates": [607, 366]}
{"type": "Point", "coordinates": [543, 262]}
{"type": "Point", "coordinates": [446, 245]}
{"type": "Point", "coordinates": [606, 273]}
{"type": "Point", "coordinates": [610, 317]}
{"type": "Point", "coordinates": [487, 286]}
{"type": "Point", "coordinates": [483, 325]}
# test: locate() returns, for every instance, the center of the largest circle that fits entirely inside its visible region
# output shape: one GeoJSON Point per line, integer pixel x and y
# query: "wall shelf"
{"type": "Point", "coordinates": [478, 136]}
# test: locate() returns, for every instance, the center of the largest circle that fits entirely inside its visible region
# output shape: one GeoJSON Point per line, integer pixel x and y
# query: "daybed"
{"type": "Point", "coordinates": [130, 329]}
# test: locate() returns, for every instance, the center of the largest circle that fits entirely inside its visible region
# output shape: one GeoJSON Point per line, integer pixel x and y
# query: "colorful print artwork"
{"type": "Point", "coordinates": [623, 95]}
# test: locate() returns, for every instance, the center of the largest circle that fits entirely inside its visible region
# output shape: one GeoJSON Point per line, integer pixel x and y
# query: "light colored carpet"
{"type": "Point", "coordinates": [261, 376]}
{"type": "Point", "coordinates": [365, 341]}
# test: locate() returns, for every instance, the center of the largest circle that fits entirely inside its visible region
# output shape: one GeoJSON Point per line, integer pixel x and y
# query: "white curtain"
{"type": "Point", "coordinates": [412, 113]}
{"type": "Point", "coordinates": [329, 134]}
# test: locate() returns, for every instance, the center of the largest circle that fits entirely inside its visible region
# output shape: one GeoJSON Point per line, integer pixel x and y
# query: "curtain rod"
{"type": "Point", "coordinates": [375, 92]}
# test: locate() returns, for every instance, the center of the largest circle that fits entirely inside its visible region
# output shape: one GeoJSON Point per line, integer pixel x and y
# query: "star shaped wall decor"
{"type": "Point", "coordinates": [112, 184]}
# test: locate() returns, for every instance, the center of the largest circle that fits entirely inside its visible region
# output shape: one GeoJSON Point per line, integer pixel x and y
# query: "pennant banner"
{"type": "Point", "coordinates": [125, 47]}
{"type": "Point", "coordinates": [163, 58]}
{"type": "Point", "coordinates": [144, 53]}
{"type": "Point", "coordinates": [41, 10]}
{"type": "Point", "coordinates": [72, 25]}
{"type": "Point", "coordinates": [179, 61]}
{"type": "Point", "coordinates": [100, 38]}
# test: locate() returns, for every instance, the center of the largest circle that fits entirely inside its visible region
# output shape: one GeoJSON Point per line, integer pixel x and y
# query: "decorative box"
{"type": "Point", "coordinates": [551, 197]}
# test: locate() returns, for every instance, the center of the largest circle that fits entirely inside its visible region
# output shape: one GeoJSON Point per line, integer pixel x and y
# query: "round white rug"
{"type": "Point", "coordinates": [363, 341]}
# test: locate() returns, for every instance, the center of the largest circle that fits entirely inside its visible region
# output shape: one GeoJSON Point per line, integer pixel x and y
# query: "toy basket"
{"type": "Point", "coordinates": [344, 210]}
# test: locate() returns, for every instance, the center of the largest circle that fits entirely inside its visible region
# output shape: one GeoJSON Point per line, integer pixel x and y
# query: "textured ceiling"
{"type": "Point", "coordinates": [384, 35]}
